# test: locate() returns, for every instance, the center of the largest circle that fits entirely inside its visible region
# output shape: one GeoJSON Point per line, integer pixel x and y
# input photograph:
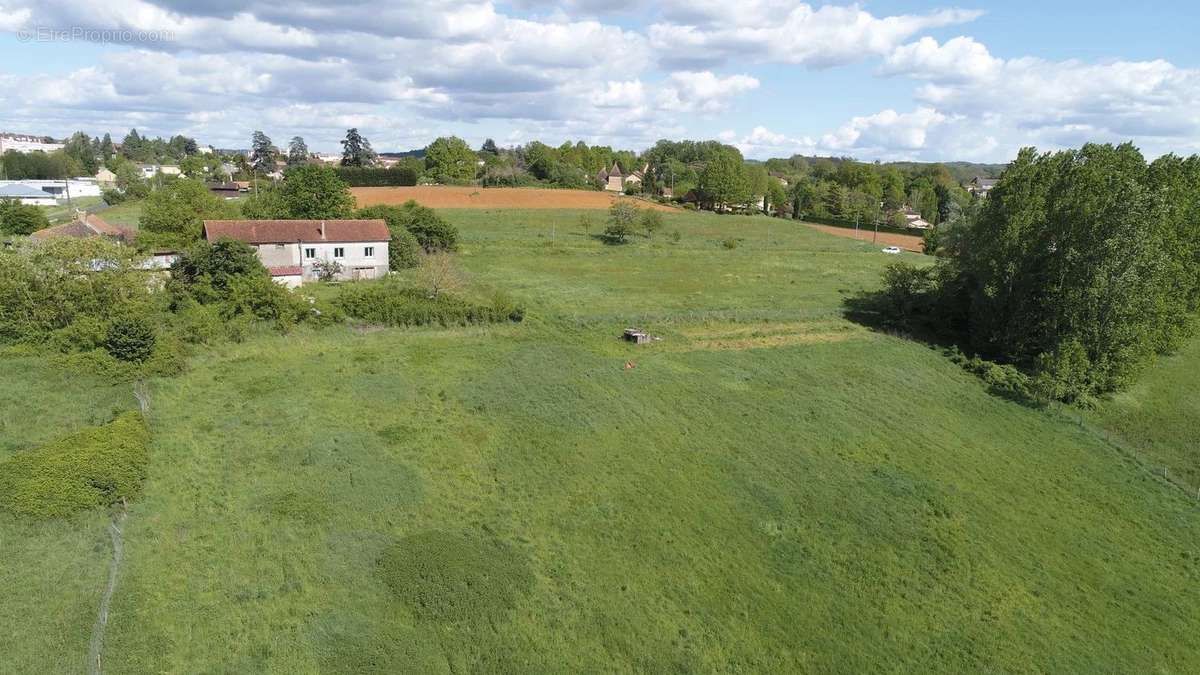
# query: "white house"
{"type": "Point", "coordinates": [26, 195]}
{"type": "Point", "coordinates": [25, 143]}
{"type": "Point", "coordinates": [291, 248]}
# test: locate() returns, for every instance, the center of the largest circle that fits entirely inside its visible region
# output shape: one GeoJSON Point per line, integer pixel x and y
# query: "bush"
{"type": "Point", "coordinates": [130, 339]}
{"type": "Point", "coordinates": [621, 218]}
{"type": "Point", "coordinates": [729, 243]}
{"type": "Point", "coordinates": [432, 231]}
{"type": "Point", "coordinates": [676, 236]}
{"type": "Point", "coordinates": [404, 251]}
{"type": "Point", "coordinates": [112, 197]}
{"type": "Point", "coordinates": [18, 218]}
{"type": "Point", "coordinates": [92, 468]}
{"type": "Point", "coordinates": [388, 303]}
{"type": "Point", "coordinates": [445, 577]}
{"type": "Point", "coordinates": [206, 271]}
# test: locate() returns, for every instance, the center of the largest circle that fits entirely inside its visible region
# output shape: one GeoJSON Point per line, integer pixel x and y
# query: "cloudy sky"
{"type": "Point", "coordinates": [874, 80]}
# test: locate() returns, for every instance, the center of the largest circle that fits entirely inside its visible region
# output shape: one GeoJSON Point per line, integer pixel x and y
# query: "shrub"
{"type": "Point", "coordinates": [130, 339]}
{"type": "Point", "coordinates": [205, 271]}
{"type": "Point", "coordinates": [96, 467]}
{"type": "Point", "coordinates": [1063, 375]}
{"type": "Point", "coordinates": [676, 235]}
{"type": "Point", "coordinates": [729, 243]}
{"type": "Point", "coordinates": [327, 270]}
{"type": "Point", "coordinates": [621, 218]}
{"type": "Point", "coordinates": [112, 197]}
{"type": "Point", "coordinates": [446, 577]}
{"type": "Point", "coordinates": [388, 303]}
{"type": "Point", "coordinates": [432, 231]}
{"type": "Point", "coordinates": [18, 218]}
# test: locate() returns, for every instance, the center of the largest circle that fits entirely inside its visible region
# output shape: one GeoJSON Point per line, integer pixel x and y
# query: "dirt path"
{"type": "Point", "coordinates": [96, 643]}
{"type": "Point", "coordinates": [456, 197]}
{"type": "Point", "coordinates": [907, 242]}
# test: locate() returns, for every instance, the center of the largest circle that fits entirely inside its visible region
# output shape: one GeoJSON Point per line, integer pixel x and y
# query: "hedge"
{"type": "Point", "coordinates": [392, 305]}
{"type": "Point", "coordinates": [371, 177]}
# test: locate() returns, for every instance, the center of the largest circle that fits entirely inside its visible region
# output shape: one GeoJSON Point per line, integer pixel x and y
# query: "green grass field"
{"type": "Point", "coordinates": [771, 488]}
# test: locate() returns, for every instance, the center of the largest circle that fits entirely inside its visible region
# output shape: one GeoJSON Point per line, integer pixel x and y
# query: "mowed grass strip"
{"type": "Point", "coordinates": [326, 501]}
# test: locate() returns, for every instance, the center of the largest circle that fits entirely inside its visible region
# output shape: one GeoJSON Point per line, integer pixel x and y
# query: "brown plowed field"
{"type": "Point", "coordinates": [907, 242]}
{"type": "Point", "coordinates": [454, 197]}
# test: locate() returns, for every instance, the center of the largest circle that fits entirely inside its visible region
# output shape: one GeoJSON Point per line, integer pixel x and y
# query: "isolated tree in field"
{"type": "Point", "coordinates": [651, 222]}
{"type": "Point", "coordinates": [622, 217]}
{"type": "Point", "coordinates": [18, 218]}
{"type": "Point", "coordinates": [262, 153]}
{"type": "Point", "coordinates": [297, 151]}
{"type": "Point", "coordinates": [439, 274]}
{"type": "Point", "coordinates": [450, 159]}
{"type": "Point", "coordinates": [356, 150]}
{"type": "Point", "coordinates": [312, 191]}
{"type": "Point", "coordinates": [723, 182]}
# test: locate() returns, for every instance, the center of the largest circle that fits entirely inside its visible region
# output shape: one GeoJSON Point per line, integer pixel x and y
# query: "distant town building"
{"type": "Point", "coordinates": [614, 180]}
{"type": "Point", "coordinates": [981, 186]}
{"type": "Point", "coordinates": [60, 189]}
{"type": "Point", "coordinates": [27, 195]}
{"type": "Point", "coordinates": [106, 178]}
{"type": "Point", "coordinates": [24, 143]}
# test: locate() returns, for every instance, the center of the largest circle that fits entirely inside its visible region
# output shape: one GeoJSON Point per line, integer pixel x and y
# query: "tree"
{"type": "Point", "coordinates": [262, 153]}
{"type": "Point", "coordinates": [172, 215]}
{"type": "Point", "coordinates": [21, 219]}
{"type": "Point", "coordinates": [79, 147]}
{"type": "Point", "coordinates": [651, 221]}
{"type": "Point", "coordinates": [312, 191]}
{"type": "Point", "coordinates": [297, 151]}
{"type": "Point", "coordinates": [327, 270]}
{"type": "Point", "coordinates": [438, 274]}
{"type": "Point", "coordinates": [206, 271]}
{"type": "Point", "coordinates": [723, 182]}
{"type": "Point", "coordinates": [621, 218]}
{"type": "Point", "coordinates": [130, 338]}
{"type": "Point", "coordinates": [106, 148]}
{"type": "Point", "coordinates": [489, 148]}
{"type": "Point", "coordinates": [356, 150]}
{"type": "Point", "coordinates": [450, 159]}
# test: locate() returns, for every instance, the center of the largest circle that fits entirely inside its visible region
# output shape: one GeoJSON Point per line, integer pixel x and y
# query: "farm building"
{"type": "Point", "coordinates": [292, 248]}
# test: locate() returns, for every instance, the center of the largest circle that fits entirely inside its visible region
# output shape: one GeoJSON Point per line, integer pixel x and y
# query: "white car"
{"type": "Point", "coordinates": [894, 250]}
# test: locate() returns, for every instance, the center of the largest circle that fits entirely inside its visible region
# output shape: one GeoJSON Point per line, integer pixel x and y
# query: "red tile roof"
{"type": "Point", "coordinates": [288, 231]}
{"type": "Point", "coordinates": [292, 271]}
{"type": "Point", "coordinates": [88, 225]}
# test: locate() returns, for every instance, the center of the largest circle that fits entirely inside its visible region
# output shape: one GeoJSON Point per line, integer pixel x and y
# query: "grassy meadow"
{"type": "Point", "coordinates": [768, 488]}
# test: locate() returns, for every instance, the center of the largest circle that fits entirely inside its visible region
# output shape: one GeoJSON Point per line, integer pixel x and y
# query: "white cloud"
{"type": "Point", "coordinates": [712, 32]}
{"type": "Point", "coordinates": [703, 91]}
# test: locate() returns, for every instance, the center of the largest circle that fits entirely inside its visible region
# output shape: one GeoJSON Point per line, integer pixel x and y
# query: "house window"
{"type": "Point", "coordinates": [310, 253]}
{"type": "Point", "coordinates": [369, 252]}
{"type": "Point", "coordinates": [339, 252]}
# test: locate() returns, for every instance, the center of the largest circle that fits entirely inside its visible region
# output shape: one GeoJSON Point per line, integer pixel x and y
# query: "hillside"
{"type": "Point", "coordinates": [768, 488]}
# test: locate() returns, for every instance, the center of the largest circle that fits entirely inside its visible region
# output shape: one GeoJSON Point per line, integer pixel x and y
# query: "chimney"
{"type": "Point", "coordinates": [322, 230]}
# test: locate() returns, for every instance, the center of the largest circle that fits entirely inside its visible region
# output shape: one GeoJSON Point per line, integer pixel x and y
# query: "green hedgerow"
{"type": "Point", "coordinates": [391, 304]}
{"type": "Point", "coordinates": [95, 467]}
{"type": "Point", "coordinates": [450, 577]}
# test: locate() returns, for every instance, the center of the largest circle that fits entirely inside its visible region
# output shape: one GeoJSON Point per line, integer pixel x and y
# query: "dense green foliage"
{"type": "Point", "coordinates": [450, 160]}
{"type": "Point", "coordinates": [356, 150]}
{"type": "Point", "coordinates": [173, 215]}
{"type": "Point", "coordinates": [18, 218]}
{"type": "Point", "coordinates": [130, 338]}
{"type": "Point", "coordinates": [38, 165]}
{"type": "Point", "coordinates": [312, 191]}
{"type": "Point", "coordinates": [431, 230]}
{"type": "Point", "coordinates": [91, 468]}
{"type": "Point", "coordinates": [621, 223]}
{"type": "Point", "coordinates": [1079, 268]}
{"type": "Point", "coordinates": [391, 303]}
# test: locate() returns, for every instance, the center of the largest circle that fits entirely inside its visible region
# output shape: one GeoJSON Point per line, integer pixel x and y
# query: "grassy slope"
{"type": "Point", "coordinates": [784, 492]}
{"type": "Point", "coordinates": [1159, 417]}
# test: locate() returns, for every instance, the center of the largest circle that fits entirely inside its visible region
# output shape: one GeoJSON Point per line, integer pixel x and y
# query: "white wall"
{"type": "Point", "coordinates": [7, 144]}
{"type": "Point", "coordinates": [353, 257]}
{"type": "Point", "coordinates": [79, 188]}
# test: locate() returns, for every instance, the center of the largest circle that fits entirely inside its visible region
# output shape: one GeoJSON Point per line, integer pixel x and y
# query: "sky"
{"type": "Point", "coordinates": [885, 80]}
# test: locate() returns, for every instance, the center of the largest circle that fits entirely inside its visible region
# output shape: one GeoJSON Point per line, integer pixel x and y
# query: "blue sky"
{"type": "Point", "coordinates": [874, 80]}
